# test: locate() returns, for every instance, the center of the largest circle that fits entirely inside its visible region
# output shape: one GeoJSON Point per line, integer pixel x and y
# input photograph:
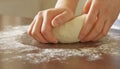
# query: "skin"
{"type": "Point", "coordinates": [41, 27]}
{"type": "Point", "coordinates": [101, 16]}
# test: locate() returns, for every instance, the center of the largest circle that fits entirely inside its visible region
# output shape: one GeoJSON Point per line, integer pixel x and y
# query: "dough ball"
{"type": "Point", "coordinates": [69, 32]}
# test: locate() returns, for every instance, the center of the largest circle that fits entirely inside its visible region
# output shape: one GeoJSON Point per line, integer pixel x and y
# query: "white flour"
{"type": "Point", "coordinates": [15, 44]}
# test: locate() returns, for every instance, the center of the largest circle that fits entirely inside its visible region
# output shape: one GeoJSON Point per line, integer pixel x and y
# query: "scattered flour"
{"type": "Point", "coordinates": [15, 44]}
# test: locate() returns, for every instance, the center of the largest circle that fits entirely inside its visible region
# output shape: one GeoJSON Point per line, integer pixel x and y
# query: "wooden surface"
{"type": "Point", "coordinates": [19, 51]}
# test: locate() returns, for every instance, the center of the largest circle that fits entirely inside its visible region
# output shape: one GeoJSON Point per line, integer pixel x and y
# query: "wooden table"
{"type": "Point", "coordinates": [19, 51]}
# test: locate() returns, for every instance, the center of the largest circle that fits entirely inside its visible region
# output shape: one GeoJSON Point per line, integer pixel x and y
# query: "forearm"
{"type": "Point", "coordinates": [70, 4]}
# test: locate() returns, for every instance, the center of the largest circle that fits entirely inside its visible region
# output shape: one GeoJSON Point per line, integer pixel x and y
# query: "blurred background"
{"type": "Point", "coordinates": [16, 12]}
{"type": "Point", "coordinates": [26, 8]}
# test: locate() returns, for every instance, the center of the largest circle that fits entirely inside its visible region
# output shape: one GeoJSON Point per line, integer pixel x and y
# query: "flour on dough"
{"type": "Point", "coordinates": [69, 32]}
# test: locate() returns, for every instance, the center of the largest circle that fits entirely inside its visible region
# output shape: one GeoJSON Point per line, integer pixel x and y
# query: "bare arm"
{"type": "Point", "coordinates": [71, 4]}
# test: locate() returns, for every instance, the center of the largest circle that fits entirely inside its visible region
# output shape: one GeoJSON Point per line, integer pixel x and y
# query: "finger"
{"type": "Point", "coordinates": [104, 32]}
{"type": "Point", "coordinates": [30, 30]}
{"type": "Point", "coordinates": [36, 29]}
{"type": "Point", "coordinates": [46, 28]}
{"type": "Point", "coordinates": [87, 6]}
{"type": "Point", "coordinates": [89, 22]}
{"type": "Point", "coordinates": [31, 26]}
{"type": "Point", "coordinates": [96, 30]}
{"type": "Point", "coordinates": [61, 18]}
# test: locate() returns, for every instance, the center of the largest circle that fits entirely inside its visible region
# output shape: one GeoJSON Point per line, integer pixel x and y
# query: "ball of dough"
{"type": "Point", "coordinates": [69, 32]}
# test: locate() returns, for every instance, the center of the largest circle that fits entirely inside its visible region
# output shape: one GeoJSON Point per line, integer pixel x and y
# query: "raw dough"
{"type": "Point", "coordinates": [69, 32]}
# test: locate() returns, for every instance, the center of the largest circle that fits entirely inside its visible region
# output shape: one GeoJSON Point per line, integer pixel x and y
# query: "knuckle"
{"type": "Point", "coordinates": [33, 33]}
{"type": "Point", "coordinates": [43, 31]}
{"type": "Point", "coordinates": [48, 12]}
{"type": "Point", "coordinates": [39, 13]}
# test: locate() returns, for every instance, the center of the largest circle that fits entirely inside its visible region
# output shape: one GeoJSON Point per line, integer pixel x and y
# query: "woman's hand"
{"type": "Point", "coordinates": [101, 16]}
{"type": "Point", "coordinates": [41, 27]}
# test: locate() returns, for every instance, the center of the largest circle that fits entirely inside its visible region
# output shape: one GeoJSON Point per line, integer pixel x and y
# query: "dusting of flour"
{"type": "Point", "coordinates": [15, 44]}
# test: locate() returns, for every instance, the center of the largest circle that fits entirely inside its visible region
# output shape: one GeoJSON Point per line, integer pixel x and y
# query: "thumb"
{"type": "Point", "coordinates": [87, 6]}
{"type": "Point", "coordinates": [61, 19]}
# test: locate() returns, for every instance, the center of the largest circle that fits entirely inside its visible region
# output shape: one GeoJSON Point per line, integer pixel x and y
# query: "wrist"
{"type": "Point", "coordinates": [67, 4]}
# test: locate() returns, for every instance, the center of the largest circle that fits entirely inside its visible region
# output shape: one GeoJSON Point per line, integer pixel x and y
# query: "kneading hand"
{"type": "Point", "coordinates": [40, 28]}
{"type": "Point", "coordinates": [101, 16]}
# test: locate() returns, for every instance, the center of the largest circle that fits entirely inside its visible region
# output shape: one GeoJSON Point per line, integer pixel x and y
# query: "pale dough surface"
{"type": "Point", "coordinates": [69, 32]}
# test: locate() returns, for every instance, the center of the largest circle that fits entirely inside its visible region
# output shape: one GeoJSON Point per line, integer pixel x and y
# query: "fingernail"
{"type": "Point", "coordinates": [55, 23]}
